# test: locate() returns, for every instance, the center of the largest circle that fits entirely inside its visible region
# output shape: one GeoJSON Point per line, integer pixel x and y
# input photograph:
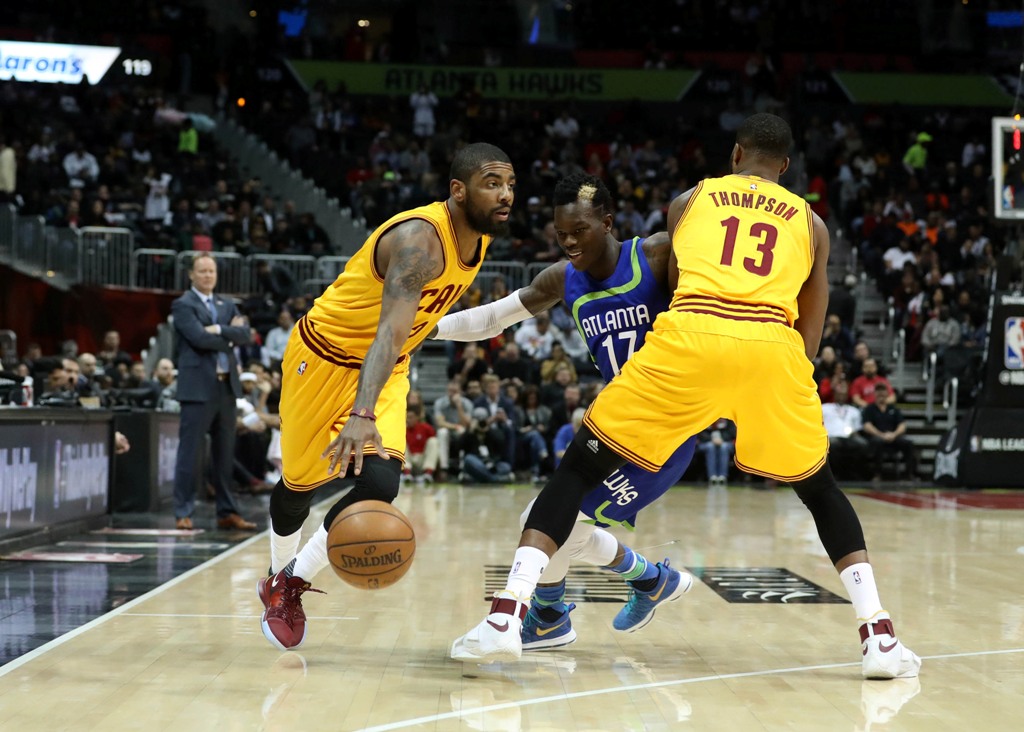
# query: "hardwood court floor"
{"type": "Point", "coordinates": [191, 655]}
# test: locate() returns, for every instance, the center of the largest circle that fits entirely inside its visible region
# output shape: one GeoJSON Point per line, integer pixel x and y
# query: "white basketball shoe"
{"type": "Point", "coordinates": [497, 638]}
{"type": "Point", "coordinates": [884, 656]}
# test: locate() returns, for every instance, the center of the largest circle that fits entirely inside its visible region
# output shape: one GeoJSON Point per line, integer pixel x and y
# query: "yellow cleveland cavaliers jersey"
{"type": "Point", "coordinates": [745, 246]}
{"type": "Point", "coordinates": [343, 321]}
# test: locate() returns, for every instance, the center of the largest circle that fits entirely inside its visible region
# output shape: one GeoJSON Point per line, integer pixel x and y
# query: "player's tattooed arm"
{"type": "Point", "coordinates": [410, 256]}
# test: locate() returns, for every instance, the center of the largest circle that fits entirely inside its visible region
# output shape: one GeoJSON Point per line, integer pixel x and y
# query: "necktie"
{"type": "Point", "coordinates": [222, 358]}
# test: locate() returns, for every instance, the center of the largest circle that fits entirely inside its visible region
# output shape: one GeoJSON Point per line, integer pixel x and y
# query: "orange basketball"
{"type": "Point", "coordinates": [371, 545]}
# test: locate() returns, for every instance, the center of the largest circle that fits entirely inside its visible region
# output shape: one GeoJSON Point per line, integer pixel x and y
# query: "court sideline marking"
{"type": "Point", "coordinates": [637, 687]}
{"type": "Point", "coordinates": [61, 640]}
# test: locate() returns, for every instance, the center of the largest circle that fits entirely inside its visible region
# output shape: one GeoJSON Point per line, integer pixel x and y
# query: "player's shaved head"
{"type": "Point", "coordinates": [582, 188]}
{"type": "Point", "coordinates": [765, 135]}
{"type": "Point", "coordinates": [472, 157]}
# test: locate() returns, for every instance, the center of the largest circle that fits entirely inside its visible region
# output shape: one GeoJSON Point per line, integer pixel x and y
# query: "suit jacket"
{"type": "Point", "coordinates": [197, 349]}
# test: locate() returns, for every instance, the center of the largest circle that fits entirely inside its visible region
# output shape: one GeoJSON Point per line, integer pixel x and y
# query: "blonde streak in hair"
{"type": "Point", "coordinates": [587, 192]}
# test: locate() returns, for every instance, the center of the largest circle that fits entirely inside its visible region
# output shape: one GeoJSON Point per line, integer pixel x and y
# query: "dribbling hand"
{"type": "Point", "coordinates": [348, 445]}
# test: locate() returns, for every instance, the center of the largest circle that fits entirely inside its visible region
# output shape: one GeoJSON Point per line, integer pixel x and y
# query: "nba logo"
{"type": "Point", "coordinates": [302, 368]}
{"type": "Point", "coordinates": [1013, 343]}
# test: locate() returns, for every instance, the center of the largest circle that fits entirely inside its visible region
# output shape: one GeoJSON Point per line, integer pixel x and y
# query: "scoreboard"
{"type": "Point", "coordinates": [65, 63]}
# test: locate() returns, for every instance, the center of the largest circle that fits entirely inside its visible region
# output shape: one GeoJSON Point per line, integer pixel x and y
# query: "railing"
{"type": "Point", "coordinates": [91, 255]}
{"type": "Point", "coordinates": [929, 398]}
{"type": "Point", "coordinates": [950, 399]}
{"type": "Point", "coordinates": [328, 268]}
{"type": "Point", "coordinates": [30, 242]}
{"type": "Point", "coordinates": [63, 252]}
{"type": "Point", "coordinates": [155, 269]}
{"type": "Point", "coordinates": [105, 255]}
{"type": "Point", "coordinates": [899, 357]}
{"type": "Point", "coordinates": [8, 348]}
{"type": "Point", "coordinates": [314, 287]}
{"type": "Point", "coordinates": [514, 274]}
{"type": "Point", "coordinates": [299, 267]}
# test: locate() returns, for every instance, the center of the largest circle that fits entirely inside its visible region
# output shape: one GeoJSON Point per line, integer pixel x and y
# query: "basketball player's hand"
{"type": "Point", "coordinates": [348, 445]}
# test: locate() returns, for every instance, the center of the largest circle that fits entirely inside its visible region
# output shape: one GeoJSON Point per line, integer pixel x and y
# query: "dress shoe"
{"type": "Point", "coordinates": [234, 521]}
{"type": "Point", "coordinates": [259, 487]}
{"type": "Point", "coordinates": [183, 523]}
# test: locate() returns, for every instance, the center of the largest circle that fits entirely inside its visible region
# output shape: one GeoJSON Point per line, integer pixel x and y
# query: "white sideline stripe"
{"type": "Point", "coordinates": [61, 640]}
{"type": "Point", "coordinates": [234, 617]}
{"type": "Point", "coordinates": [636, 687]}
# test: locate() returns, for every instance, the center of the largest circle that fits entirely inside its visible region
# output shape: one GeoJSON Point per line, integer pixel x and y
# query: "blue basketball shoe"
{"type": "Point", "coordinates": [639, 609]}
{"type": "Point", "coordinates": [538, 635]}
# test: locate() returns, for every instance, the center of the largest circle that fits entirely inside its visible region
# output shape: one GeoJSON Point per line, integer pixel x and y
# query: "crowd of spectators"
{"type": "Point", "coordinates": [913, 204]}
{"type": "Point", "coordinates": [94, 156]}
{"type": "Point", "coordinates": [907, 191]}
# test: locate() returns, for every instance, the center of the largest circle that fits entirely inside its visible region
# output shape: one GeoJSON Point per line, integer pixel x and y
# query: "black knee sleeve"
{"type": "Point", "coordinates": [378, 481]}
{"type": "Point", "coordinates": [288, 508]}
{"type": "Point", "coordinates": [838, 526]}
{"type": "Point", "coordinates": [586, 463]}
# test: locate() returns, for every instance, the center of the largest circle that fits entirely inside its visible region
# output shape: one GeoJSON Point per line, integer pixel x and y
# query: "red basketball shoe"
{"type": "Point", "coordinates": [284, 621]}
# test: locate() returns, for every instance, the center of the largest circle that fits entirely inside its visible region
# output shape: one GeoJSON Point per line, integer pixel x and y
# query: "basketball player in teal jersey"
{"type": "Point", "coordinates": [615, 289]}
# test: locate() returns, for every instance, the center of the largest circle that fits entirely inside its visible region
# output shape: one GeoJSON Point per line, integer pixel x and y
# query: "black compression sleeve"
{"type": "Point", "coordinates": [838, 526]}
{"type": "Point", "coordinates": [586, 463]}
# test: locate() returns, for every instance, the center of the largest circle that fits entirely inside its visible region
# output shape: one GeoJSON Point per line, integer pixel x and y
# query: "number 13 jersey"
{"type": "Point", "coordinates": [615, 315]}
{"type": "Point", "coordinates": [745, 247]}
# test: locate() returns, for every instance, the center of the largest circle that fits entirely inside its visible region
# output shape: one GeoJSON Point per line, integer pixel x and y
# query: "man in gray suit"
{"type": "Point", "coordinates": [208, 328]}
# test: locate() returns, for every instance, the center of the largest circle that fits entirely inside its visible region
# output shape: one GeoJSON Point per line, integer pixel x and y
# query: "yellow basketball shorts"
{"type": "Point", "coordinates": [702, 368]}
{"type": "Point", "coordinates": [316, 397]}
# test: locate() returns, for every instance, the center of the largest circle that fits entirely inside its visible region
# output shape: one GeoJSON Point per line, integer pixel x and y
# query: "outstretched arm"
{"type": "Point", "coordinates": [411, 254]}
{"type": "Point", "coordinates": [812, 302]}
{"type": "Point", "coordinates": [487, 321]}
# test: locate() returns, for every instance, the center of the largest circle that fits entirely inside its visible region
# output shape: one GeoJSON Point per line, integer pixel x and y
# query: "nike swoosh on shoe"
{"type": "Point", "coordinates": [544, 631]}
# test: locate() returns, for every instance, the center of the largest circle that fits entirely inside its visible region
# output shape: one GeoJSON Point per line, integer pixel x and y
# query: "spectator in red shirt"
{"type": "Point", "coordinates": [862, 390]}
{"type": "Point", "coordinates": [421, 452]}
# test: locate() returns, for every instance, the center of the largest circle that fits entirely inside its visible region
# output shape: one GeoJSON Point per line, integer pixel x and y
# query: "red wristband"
{"type": "Point", "coordinates": [364, 413]}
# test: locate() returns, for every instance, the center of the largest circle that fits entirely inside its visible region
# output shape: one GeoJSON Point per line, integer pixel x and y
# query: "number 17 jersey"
{"type": "Point", "coordinates": [745, 246]}
{"type": "Point", "coordinates": [615, 315]}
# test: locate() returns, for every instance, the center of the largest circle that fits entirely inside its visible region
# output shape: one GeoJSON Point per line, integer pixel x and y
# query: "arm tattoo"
{"type": "Point", "coordinates": [410, 268]}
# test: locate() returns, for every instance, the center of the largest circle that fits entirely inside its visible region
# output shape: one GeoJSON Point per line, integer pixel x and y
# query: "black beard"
{"type": "Point", "coordinates": [483, 223]}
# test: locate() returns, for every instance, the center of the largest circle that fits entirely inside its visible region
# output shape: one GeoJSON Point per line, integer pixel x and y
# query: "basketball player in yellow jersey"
{"type": "Point", "coordinates": [346, 367]}
{"type": "Point", "coordinates": [745, 320]}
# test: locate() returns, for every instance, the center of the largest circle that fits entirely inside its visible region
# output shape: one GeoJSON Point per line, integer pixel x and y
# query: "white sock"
{"type": "Point", "coordinates": [859, 581]}
{"type": "Point", "coordinates": [283, 549]}
{"type": "Point", "coordinates": [527, 567]}
{"type": "Point", "coordinates": [313, 556]}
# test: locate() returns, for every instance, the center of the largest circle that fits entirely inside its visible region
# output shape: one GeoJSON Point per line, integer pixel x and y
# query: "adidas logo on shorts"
{"type": "Point", "coordinates": [593, 445]}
